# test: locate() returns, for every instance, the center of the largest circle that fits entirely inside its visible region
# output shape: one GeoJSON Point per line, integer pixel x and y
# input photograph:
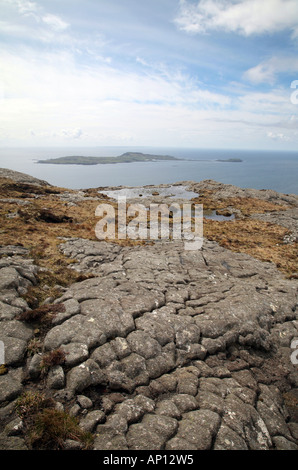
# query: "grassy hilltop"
{"type": "Point", "coordinates": [127, 157]}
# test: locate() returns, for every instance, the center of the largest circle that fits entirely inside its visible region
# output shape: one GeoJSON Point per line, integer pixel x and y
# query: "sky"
{"type": "Point", "coordinates": [162, 73]}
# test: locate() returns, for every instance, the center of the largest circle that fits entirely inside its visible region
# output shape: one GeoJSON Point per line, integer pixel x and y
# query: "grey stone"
{"type": "Point", "coordinates": [165, 384]}
{"type": "Point", "coordinates": [16, 329]}
{"type": "Point", "coordinates": [9, 278]}
{"type": "Point", "coordinates": [15, 350]}
{"type": "Point", "coordinates": [8, 312]}
{"type": "Point", "coordinates": [121, 347]}
{"type": "Point", "coordinates": [227, 439]}
{"type": "Point", "coordinates": [77, 329]}
{"type": "Point", "coordinates": [187, 383]}
{"type": "Point", "coordinates": [146, 404]}
{"type": "Point", "coordinates": [84, 402]}
{"type": "Point", "coordinates": [110, 442]}
{"type": "Point", "coordinates": [178, 443]}
{"type": "Point", "coordinates": [168, 408]}
{"type": "Point", "coordinates": [143, 344]}
{"type": "Point", "coordinates": [75, 410]}
{"type": "Point", "coordinates": [134, 367]}
{"type": "Point", "coordinates": [14, 428]}
{"type": "Point", "coordinates": [247, 423]}
{"type": "Point", "coordinates": [210, 401]}
{"type": "Point", "coordinates": [12, 443]}
{"type": "Point", "coordinates": [163, 363]}
{"type": "Point", "coordinates": [34, 368]}
{"type": "Point", "coordinates": [75, 353]}
{"type": "Point", "coordinates": [72, 307]}
{"type": "Point", "coordinates": [199, 428]}
{"type": "Point", "coordinates": [81, 377]}
{"type": "Point", "coordinates": [104, 355]}
{"type": "Point", "coordinates": [56, 378]}
{"type": "Point", "coordinates": [274, 421]}
{"type": "Point", "coordinates": [91, 420]}
{"type": "Point", "coordinates": [281, 443]}
{"type": "Point", "coordinates": [185, 403]}
{"type": "Point", "coordinates": [11, 385]}
{"type": "Point", "coordinates": [294, 430]}
{"type": "Point", "coordinates": [151, 433]}
{"type": "Point", "coordinates": [71, 444]}
{"type": "Point", "coordinates": [130, 411]}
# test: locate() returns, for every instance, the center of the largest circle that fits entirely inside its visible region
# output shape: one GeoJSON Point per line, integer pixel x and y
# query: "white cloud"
{"type": "Point", "coordinates": [278, 136]}
{"type": "Point", "coordinates": [56, 80]}
{"type": "Point", "coordinates": [72, 133]}
{"type": "Point", "coordinates": [52, 100]}
{"type": "Point", "coordinates": [244, 17]}
{"type": "Point", "coordinates": [55, 22]}
{"type": "Point", "coordinates": [57, 98]}
{"type": "Point", "coordinates": [261, 73]}
{"type": "Point", "coordinates": [276, 103]}
{"type": "Point", "coordinates": [267, 71]}
{"type": "Point", "coordinates": [70, 92]}
{"type": "Point", "coordinates": [26, 8]}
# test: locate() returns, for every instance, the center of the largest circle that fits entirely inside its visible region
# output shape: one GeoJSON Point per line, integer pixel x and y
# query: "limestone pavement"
{"type": "Point", "coordinates": [165, 348]}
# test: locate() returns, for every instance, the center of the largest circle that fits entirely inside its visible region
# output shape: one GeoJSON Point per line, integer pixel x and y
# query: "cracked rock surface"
{"type": "Point", "coordinates": [165, 349]}
{"type": "Point", "coordinates": [183, 349]}
{"type": "Point", "coordinates": [16, 275]}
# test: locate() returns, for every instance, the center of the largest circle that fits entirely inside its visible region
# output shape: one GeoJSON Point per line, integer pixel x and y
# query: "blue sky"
{"type": "Point", "coordinates": [173, 73]}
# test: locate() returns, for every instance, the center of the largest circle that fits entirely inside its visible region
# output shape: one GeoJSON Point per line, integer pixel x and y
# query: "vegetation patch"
{"type": "Point", "coordinates": [42, 314]}
{"type": "Point", "coordinates": [247, 205]}
{"type": "Point", "coordinates": [45, 427]}
{"type": "Point", "coordinates": [52, 359]}
{"type": "Point", "coordinates": [41, 319]}
{"type": "Point", "coordinates": [262, 240]}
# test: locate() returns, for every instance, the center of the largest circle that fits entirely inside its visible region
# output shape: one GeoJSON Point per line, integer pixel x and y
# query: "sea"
{"type": "Point", "coordinates": [259, 169]}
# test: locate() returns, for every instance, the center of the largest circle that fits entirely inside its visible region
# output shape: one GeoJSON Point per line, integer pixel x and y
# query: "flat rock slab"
{"type": "Point", "coordinates": [198, 343]}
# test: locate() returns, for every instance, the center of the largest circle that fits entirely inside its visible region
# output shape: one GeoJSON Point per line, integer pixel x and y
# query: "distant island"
{"type": "Point", "coordinates": [127, 157]}
{"type": "Point", "coordinates": [231, 160]}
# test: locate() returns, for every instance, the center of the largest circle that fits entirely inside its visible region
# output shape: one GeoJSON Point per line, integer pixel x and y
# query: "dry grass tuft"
{"type": "Point", "coordinates": [52, 358]}
{"type": "Point", "coordinates": [42, 314]}
{"type": "Point", "coordinates": [46, 428]}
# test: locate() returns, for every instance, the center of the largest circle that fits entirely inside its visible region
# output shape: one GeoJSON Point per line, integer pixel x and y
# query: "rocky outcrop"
{"type": "Point", "coordinates": [17, 273]}
{"type": "Point", "coordinates": [223, 191]}
{"type": "Point", "coordinates": [21, 177]}
{"type": "Point", "coordinates": [173, 349]}
{"type": "Point", "coordinates": [165, 349]}
{"type": "Point", "coordinates": [196, 345]}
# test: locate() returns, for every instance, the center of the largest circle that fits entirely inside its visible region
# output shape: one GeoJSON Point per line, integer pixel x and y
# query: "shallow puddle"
{"type": "Point", "coordinates": [145, 192]}
{"type": "Point", "coordinates": [212, 215]}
